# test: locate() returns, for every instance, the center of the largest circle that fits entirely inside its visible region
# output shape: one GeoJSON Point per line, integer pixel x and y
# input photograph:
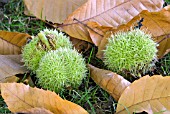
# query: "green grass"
{"type": "Point", "coordinates": [13, 19]}
{"type": "Point", "coordinates": [165, 61]}
{"type": "Point", "coordinates": [167, 1]}
{"type": "Point", "coordinates": [89, 95]}
{"type": "Point", "coordinates": [163, 65]}
{"type": "Point", "coordinates": [3, 107]}
{"type": "Point", "coordinates": [92, 98]}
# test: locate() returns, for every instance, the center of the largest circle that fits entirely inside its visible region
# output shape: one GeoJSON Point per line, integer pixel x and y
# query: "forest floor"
{"type": "Point", "coordinates": [90, 96]}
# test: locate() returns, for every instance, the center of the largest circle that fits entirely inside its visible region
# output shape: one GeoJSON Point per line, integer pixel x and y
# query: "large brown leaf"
{"type": "Point", "coordinates": [55, 11]}
{"type": "Point", "coordinates": [156, 23]}
{"type": "Point", "coordinates": [149, 94]}
{"type": "Point", "coordinates": [113, 83]}
{"type": "Point", "coordinates": [10, 65]}
{"type": "Point", "coordinates": [35, 111]}
{"type": "Point", "coordinates": [11, 42]}
{"type": "Point", "coordinates": [20, 97]}
{"type": "Point", "coordinates": [106, 12]}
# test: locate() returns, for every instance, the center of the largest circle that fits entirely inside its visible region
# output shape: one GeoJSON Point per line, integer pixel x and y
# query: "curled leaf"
{"type": "Point", "coordinates": [113, 83]}
{"type": "Point", "coordinates": [97, 33]}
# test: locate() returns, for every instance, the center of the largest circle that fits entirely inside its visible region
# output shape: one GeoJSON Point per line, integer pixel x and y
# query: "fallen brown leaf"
{"type": "Point", "coordinates": [20, 97]}
{"type": "Point", "coordinates": [113, 83]}
{"type": "Point", "coordinates": [80, 45]}
{"type": "Point", "coordinates": [10, 65]}
{"type": "Point", "coordinates": [36, 111]}
{"type": "Point", "coordinates": [11, 42]}
{"type": "Point", "coordinates": [97, 33]}
{"type": "Point", "coordinates": [10, 79]}
{"type": "Point", "coordinates": [110, 13]}
{"type": "Point", "coordinates": [156, 23]}
{"type": "Point", "coordinates": [149, 94]}
{"type": "Point", "coordinates": [55, 11]}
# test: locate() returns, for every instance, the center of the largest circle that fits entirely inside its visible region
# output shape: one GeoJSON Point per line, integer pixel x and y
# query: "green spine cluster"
{"type": "Point", "coordinates": [32, 53]}
{"type": "Point", "coordinates": [51, 57]}
{"type": "Point", "coordinates": [133, 51]}
{"type": "Point", "coordinates": [58, 38]}
{"type": "Point", "coordinates": [42, 43]}
{"type": "Point", "coordinates": [60, 69]}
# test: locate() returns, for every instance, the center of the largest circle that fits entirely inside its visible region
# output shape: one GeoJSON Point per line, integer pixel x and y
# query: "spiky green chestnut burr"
{"type": "Point", "coordinates": [57, 39]}
{"type": "Point", "coordinates": [133, 52]}
{"type": "Point", "coordinates": [61, 69]}
{"type": "Point", "coordinates": [45, 41]}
